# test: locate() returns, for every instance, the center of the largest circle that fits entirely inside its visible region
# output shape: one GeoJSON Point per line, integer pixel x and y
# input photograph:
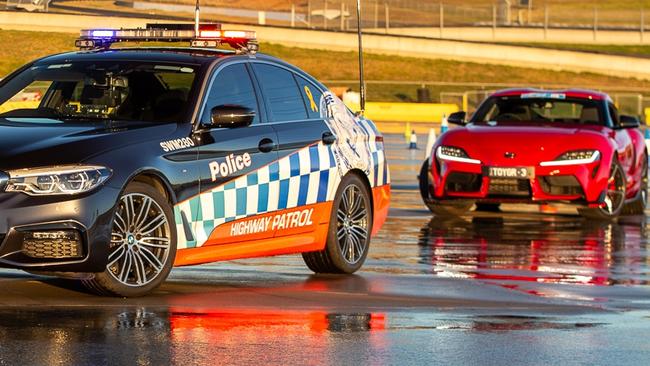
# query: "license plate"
{"type": "Point", "coordinates": [510, 172]}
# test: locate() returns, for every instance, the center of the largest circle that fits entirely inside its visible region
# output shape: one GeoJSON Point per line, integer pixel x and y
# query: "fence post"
{"type": "Point", "coordinates": [442, 19]}
{"type": "Point", "coordinates": [595, 23]}
{"type": "Point", "coordinates": [494, 22]}
{"type": "Point", "coordinates": [325, 14]}
{"type": "Point", "coordinates": [545, 22]}
{"type": "Point", "coordinates": [465, 103]}
{"type": "Point", "coordinates": [293, 15]}
{"type": "Point", "coordinates": [376, 14]}
{"type": "Point", "coordinates": [642, 29]}
{"type": "Point", "coordinates": [308, 13]}
{"type": "Point", "coordinates": [640, 104]}
{"type": "Point", "coordinates": [342, 16]}
{"type": "Point", "coordinates": [387, 14]}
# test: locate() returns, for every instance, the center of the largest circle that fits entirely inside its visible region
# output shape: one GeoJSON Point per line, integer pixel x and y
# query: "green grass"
{"type": "Point", "coordinates": [19, 47]}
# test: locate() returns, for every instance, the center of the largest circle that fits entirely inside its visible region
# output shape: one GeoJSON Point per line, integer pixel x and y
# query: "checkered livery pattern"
{"type": "Point", "coordinates": [306, 177]}
{"type": "Point", "coordinates": [379, 174]}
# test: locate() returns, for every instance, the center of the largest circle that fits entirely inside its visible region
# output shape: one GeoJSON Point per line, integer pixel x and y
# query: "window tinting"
{"type": "Point", "coordinates": [86, 91]}
{"type": "Point", "coordinates": [540, 110]}
{"type": "Point", "coordinates": [311, 95]}
{"type": "Point", "coordinates": [613, 112]}
{"type": "Point", "coordinates": [283, 98]}
{"type": "Point", "coordinates": [232, 86]}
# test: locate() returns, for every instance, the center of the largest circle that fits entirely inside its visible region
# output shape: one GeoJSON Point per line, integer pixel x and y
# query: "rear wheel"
{"type": "Point", "coordinates": [638, 205]}
{"type": "Point", "coordinates": [348, 238]}
{"type": "Point", "coordinates": [614, 198]}
{"type": "Point", "coordinates": [143, 244]}
{"type": "Point", "coordinates": [449, 208]}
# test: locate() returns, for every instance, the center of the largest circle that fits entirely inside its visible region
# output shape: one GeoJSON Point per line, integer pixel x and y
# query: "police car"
{"type": "Point", "coordinates": [125, 162]}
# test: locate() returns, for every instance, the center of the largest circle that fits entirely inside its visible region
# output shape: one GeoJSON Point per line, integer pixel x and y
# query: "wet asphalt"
{"type": "Point", "coordinates": [519, 287]}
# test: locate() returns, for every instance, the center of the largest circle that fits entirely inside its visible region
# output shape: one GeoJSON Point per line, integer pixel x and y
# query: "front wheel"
{"type": "Point", "coordinates": [143, 244]}
{"type": "Point", "coordinates": [447, 208]}
{"type": "Point", "coordinates": [638, 204]}
{"type": "Point", "coordinates": [614, 197]}
{"type": "Point", "coordinates": [348, 238]}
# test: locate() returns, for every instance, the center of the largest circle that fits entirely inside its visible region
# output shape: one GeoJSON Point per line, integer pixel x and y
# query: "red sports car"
{"type": "Point", "coordinates": [537, 146]}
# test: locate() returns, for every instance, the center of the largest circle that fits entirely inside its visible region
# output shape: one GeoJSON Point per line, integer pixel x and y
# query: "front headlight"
{"type": "Point", "coordinates": [451, 153]}
{"type": "Point", "coordinates": [575, 157]}
{"type": "Point", "coordinates": [58, 180]}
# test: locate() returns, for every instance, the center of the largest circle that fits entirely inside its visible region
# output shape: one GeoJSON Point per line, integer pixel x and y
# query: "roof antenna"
{"type": "Point", "coordinates": [362, 83]}
{"type": "Point", "coordinates": [196, 19]}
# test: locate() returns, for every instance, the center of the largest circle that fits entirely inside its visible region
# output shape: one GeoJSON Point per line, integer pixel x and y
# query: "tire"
{"type": "Point", "coordinates": [638, 204]}
{"type": "Point", "coordinates": [348, 237]}
{"type": "Point", "coordinates": [450, 208]}
{"type": "Point", "coordinates": [488, 207]}
{"type": "Point", "coordinates": [423, 182]}
{"type": "Point", "coordinates": [143, 244]}
{"type": "Point", "coordinates": [615, 198]}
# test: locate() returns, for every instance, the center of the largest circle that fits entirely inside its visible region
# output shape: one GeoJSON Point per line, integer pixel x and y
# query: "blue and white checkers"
{"type": "Point", "coordinates": [305, 177]}
{"type": "Point", "coordinates": [379, 174]}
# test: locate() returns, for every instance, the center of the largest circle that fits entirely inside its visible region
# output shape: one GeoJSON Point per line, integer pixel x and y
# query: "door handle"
{"type": "Point", "coordinates": [328, 138]}
{"type": "Point", "coordinates": [267, 145]}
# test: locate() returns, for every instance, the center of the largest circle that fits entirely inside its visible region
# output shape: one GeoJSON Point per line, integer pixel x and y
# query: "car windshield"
{"type": "Point", "coordinates": [540, 110]}
{"type": "Point", "coordinates": [126, 91]}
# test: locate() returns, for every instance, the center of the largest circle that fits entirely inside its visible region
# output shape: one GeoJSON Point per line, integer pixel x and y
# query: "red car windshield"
{"type": "Point", "coordinates": [540, 110]}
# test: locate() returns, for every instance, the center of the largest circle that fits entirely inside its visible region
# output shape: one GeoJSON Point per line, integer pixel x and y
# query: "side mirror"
{"type": "Point", "coordinates": [628, 122]}
{"type": "Point", "coordinates": [457, 118]}
{"type": "Point", "coordinates": [231, 116]}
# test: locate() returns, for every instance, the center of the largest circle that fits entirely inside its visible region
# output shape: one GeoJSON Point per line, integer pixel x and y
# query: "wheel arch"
{"type": "Point", "coordinates": [366, 182]}
{"type": "Point", "coordinates": [155, 179]}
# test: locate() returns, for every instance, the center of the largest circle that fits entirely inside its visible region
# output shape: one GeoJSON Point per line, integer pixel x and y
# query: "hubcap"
{"type": "Point", "coordinates": [140, 241]}
{"type": "Point", "coordinates": [615, 197]}
{"type": "Point", "coordinates": [352, 225]}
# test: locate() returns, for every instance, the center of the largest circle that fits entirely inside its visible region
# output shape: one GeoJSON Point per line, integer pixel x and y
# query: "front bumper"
{"type": "Point", "coordinates": [89, 216]}
{"type": "Point", "coordinates": [582, 184]}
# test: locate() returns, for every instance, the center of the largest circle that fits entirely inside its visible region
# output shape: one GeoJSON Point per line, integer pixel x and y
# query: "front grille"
{"type": "Point", "coordinates": [509, 187]}
{"type": "Point", "coordinates": [563, 185]}
{"type": "Point", "coordinates": [463, 182]}
{"type": "Point", "coordinates": [53, 245]}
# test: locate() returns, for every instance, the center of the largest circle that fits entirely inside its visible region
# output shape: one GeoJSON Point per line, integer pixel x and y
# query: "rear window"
{"type": "Point", "coordinates": [540, 110]}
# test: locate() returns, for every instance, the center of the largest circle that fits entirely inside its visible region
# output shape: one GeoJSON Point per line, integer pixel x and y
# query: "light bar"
{"type": "Point", "coordinates": [209, 36]}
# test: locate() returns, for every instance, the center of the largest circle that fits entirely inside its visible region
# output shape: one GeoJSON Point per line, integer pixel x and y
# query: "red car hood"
{"type": "Point", "coordinates": [530, 144]}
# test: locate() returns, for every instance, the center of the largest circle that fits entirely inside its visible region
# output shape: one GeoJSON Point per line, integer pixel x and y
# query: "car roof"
{"type": "Point", "coordinates": [153, 54]}
{"type": "Point", "coordinates": [571, 93]}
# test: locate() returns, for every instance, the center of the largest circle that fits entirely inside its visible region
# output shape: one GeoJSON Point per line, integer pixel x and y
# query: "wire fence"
{"type": "Point", "coordinates": [389, 14]}
{"type": "Point", "coordinates": [468, 95]}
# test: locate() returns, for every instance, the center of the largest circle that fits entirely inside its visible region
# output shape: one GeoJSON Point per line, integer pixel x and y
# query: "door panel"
{"type": "Point", "coordinates": [235, 166]}
{"type": "Point", "coordinates": [306, 164]}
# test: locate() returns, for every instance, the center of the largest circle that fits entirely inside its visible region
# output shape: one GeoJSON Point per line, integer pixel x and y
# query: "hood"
{"type": "Point", "coordinates": [34, 142]}
{"type": "Point", "coordinates": [529, 143]}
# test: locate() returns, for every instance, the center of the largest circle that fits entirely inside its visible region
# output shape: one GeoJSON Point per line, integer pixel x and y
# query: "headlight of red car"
{"type": "Point", "coordinates": [450, 153]}
{"type": "Point", "coordinates": [575, 157]}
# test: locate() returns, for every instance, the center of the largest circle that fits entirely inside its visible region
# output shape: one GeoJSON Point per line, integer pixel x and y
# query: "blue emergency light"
{"type": "Point", "coordinates": [208, 36]}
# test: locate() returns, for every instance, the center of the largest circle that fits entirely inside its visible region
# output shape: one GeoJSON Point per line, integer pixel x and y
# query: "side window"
{"type": "Point", "coordinates": [232, 86]}
{"type": "Point", "coordinates": [283, 98]}
{"type": "Point", "coordinates": [613, 112]}
{"type": "Point", "coordinates": [311, 95]}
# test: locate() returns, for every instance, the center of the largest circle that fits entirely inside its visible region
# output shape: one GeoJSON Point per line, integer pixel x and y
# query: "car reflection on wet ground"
{"type": "Point", "coordinates": [512, 287]}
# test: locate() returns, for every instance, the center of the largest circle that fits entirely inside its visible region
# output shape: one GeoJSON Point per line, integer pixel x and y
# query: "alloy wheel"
{"type": "Point", "coordinates": [140, 241]}
{"type": "Point", "coordinates": [615, 197]}
{"type": "Point", "coordinates": [352, 225]}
